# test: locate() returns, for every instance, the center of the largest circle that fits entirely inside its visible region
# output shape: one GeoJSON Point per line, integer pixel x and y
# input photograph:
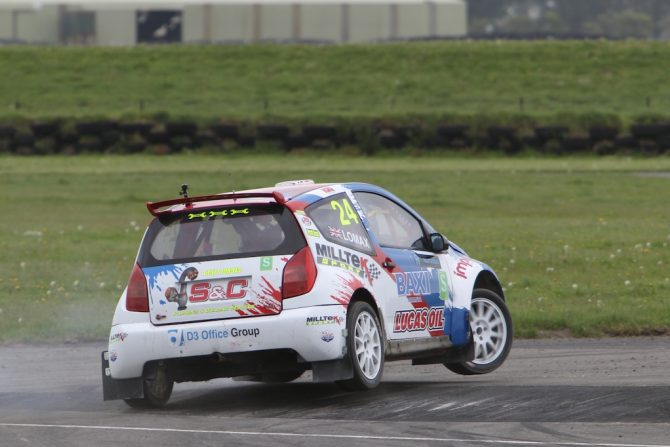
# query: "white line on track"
{"type": "Point", "coordinates": [332, 436]}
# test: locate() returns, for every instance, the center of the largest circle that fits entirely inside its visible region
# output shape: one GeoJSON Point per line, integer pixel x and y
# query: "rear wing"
{"type": "Point", "coordinates": [158, 208]}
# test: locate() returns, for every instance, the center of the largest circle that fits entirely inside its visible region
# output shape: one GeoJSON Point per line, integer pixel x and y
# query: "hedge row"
{"type": "Point", "coordinates": [110, 136]}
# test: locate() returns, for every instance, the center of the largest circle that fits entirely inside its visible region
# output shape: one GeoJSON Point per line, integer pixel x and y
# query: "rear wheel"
{"type": "Point", "coordinates": [491, 326]}
{"type": "Point", "coordinates": [157, 391]}
{"type": "Point", "coordinates": [365, 347]}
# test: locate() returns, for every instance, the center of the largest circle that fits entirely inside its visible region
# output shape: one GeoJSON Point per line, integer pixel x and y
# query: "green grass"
{"type": "Point", "coordinates": [574, 82]}
{"type": "Point", "coordinates": [580, 244]}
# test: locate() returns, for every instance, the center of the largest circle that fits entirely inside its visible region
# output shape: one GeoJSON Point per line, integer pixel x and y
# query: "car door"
{"type": "Point", "coordinates": [422, 296]}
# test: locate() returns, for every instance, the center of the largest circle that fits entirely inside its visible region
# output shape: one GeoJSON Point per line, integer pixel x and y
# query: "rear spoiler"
{"type": "Point", "coordinates": [158, 208]}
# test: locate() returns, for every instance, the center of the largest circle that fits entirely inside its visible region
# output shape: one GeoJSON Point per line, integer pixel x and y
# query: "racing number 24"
{"type": "Point", "coordinates": [347, 213]}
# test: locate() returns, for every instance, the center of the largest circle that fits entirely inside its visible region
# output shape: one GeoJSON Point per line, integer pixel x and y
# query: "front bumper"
{"type": "Point", "coordinates": [316, 334]}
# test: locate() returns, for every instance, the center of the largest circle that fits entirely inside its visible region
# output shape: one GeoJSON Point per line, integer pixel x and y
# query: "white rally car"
{"type": "Point", "coordinates": [265, 284]}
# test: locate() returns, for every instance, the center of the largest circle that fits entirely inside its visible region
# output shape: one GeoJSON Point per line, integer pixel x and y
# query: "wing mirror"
{"type": "Point", "coordinates": [437, 243]}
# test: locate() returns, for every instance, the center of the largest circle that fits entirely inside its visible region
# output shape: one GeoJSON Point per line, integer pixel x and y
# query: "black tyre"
{"type": "Point", "coordinates": [157, 391]}
{"type": "Point", "coordinates": [365, 347]}
{"type": "Point", "coordinates": [492, 334]}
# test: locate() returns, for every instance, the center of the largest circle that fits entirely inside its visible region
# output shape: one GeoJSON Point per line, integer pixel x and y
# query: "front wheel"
{"type": "Point", "coordinates": [491, 326]}
{"type": "Point", "coordinates": [365, 347]}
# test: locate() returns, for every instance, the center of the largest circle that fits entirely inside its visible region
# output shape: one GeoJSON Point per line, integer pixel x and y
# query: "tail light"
{"type": "Point", "coordinates": [299, 274]}
{"type": "Point", "coordinates": [137, 296]}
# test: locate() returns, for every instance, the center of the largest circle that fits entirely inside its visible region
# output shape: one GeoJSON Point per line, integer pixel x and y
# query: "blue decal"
{"type": "Point", "coordinates": [154, 273]}
{"type": "Point", "coordinates": [460, 326]}
{"type": "Point", "coordinates": [413, 283]}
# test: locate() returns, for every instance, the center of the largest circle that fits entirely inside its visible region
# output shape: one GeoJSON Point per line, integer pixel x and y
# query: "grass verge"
{"type": "Point", "coordinates": [572, 83]}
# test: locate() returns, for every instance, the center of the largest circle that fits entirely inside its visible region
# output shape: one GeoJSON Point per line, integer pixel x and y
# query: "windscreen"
{"type": "Point", "coordinates": [221, 233]}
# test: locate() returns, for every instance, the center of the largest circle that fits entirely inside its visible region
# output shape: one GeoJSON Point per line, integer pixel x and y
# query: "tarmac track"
{"type": "Point", "coordinates": [609, 392]}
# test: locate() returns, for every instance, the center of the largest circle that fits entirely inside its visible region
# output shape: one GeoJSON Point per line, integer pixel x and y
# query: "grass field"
{"type": "Point", "coordinates": [567, 81]}
{"type": "Point", "coordinates": [581, 245]}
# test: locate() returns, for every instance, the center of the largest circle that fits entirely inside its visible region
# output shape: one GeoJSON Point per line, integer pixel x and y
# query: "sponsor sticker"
{"type": "Point", "coordinates": [327, 336]}
{"type": "Point", "coordinates": [113, 356]}
{"type": "Point", "coordinates": [213, 310]}
{"type": "Point", "coordinates": [313, 233]}
{"type": "Point", "coordinates": [223, 271]}
{"type": "Point", "coordinates": [222, 213]}
{"type": "Point", "coordinates": [118, 337]}
{"type": "Point", "coordinates": [338, 257]}
{"type": "Point", "coordinates": [178, 337]}
{"type": "Point", "coordinates": [418, 319]}
{"type": "Point", "coordinates": [413, 283]}
{"type": "Point", "coordinates": [462, 268]}
{"type": "Point", "coordinates": [231, 289]}
{"type": "Point", "coordinates": [266, 263]}
{"type": "Point", "coordinates": [324, 319]}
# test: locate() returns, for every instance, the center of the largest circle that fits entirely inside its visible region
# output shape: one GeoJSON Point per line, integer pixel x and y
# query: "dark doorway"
{"type": "Point", "coordinates": [159, 26]}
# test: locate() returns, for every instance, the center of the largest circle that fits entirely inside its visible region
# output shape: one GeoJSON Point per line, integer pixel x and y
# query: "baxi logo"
{"type": "Point", "coordinates": [413, 283]}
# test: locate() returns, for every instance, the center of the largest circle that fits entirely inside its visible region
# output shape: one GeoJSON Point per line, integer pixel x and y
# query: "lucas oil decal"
{"type": "Point", "coordinates": [419, 319]}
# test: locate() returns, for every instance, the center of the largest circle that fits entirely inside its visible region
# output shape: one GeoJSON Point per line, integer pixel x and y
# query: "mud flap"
{"type": "Point", "coordinates": [460, 326]}
{"type": "Point", "coordinates": [332, 370]}
{"type": "Point", "coordinates": [113, 389]}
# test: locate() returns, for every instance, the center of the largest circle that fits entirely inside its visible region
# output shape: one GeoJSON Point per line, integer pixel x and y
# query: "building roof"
{"type": "Point", "coordinates": [139, 4]}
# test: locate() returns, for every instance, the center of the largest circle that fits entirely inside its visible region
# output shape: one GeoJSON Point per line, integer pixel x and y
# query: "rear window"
{"type": "Point", "coordinates": [221, 233]}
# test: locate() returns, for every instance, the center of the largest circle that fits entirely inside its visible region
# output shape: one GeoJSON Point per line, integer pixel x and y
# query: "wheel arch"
{"type": "Point", "coordinates": [488, 280]}
{"type": "Point", "coordinates": [363, 294]}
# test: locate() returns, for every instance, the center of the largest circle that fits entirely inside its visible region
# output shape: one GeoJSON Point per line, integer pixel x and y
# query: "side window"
{"type": "Point", "coordinates": [392, 225]}
{"type": "Point", "coordinates": [338, 222]}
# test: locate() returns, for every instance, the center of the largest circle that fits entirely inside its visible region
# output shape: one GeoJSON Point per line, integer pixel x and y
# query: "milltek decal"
{"type": "Point", "coordinates": [326, 319]}
{"type": "Point", "coordinates": [419, 319]}
{"type": "Point", "coordinates": [462, 268]}
{"type": "Point", "coordinates": [328, 255]}
{"type": "Point", "coordinates": [413, 283]}
{"type": "Point", "coordinates": [119, 336]}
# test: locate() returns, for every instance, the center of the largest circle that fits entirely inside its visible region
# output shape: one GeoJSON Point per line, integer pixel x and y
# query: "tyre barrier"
{"type": "Point", "coordinates": [107, 136]}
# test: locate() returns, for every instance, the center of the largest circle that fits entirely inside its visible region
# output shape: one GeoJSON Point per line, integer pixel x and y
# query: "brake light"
{"type": "Point", "coordinates": [299, 274]}
{"type": "Point", "coordinates": [137, 296]}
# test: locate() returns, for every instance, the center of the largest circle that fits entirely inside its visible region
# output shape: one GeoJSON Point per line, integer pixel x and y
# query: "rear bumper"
{"type": "Point", "coordinates": [316, 334]}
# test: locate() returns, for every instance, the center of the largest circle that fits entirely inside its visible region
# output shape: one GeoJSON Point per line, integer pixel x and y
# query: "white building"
{"type": "Point", "coordinates": [124, 22]}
